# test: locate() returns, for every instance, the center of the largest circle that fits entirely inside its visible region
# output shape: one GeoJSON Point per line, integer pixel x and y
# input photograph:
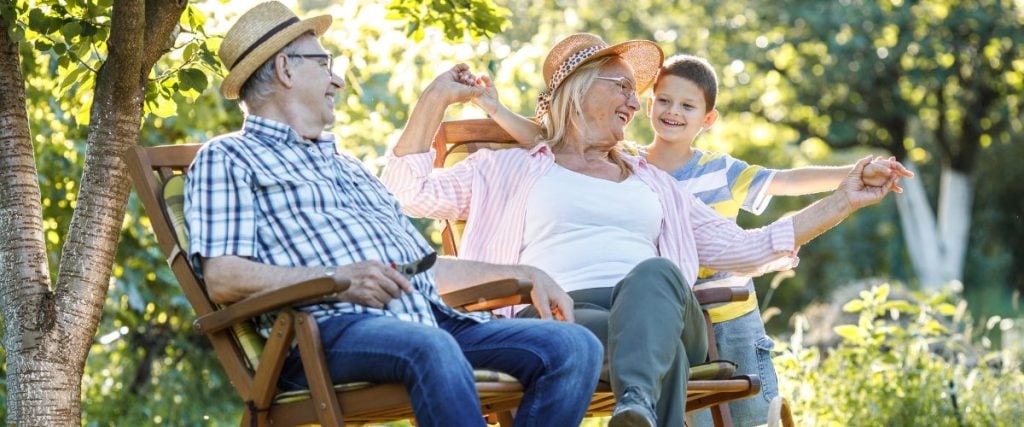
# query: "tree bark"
{"type": "Point", "coordinates": [48, 334]}
{"type": "Point", "coordinates": [26, 302]}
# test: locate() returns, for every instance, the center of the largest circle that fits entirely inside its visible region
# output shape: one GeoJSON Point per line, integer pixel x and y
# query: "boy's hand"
{"type": "Point", "coordinates": [881, 171]}
{"type": "Point", "coordinates": [488, 99]}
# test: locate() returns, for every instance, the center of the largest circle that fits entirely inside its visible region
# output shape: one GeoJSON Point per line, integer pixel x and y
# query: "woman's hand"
{"type": "Point", "coordinates": [879, 171]}
{"type": "Point", "coordinates": [549, 298]}
{"type": "Point", "coordinates": [858, 194]}
{"type": "Point", "coordinates": [456, 86]}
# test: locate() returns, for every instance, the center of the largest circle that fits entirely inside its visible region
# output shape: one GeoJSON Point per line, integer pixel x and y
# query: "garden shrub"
{"type": "Point", "coordinates": [904, 363]}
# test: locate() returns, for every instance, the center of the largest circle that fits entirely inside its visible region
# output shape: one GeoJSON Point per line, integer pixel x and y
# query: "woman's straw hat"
{"type": "Point", "coordinates": [259, 34]}
{"type": "Point", "coordinates": [645, 57]}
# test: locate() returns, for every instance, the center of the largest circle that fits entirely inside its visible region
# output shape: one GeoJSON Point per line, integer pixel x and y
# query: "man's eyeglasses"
{"type": "Point", "coordinates": [326, 58]}
{"type": "Point", "coordinates": [624, 83]}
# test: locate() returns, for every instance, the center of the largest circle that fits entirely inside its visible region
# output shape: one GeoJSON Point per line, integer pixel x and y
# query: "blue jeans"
{"type": "Point", "coordinates": [557, 363]}
{"type": "Point", "coordinates": [743, 340]}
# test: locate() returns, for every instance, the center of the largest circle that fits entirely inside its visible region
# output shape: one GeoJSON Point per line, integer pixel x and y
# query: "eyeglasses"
{"type": "Point", "coordinates": [328, 64]}
{"type": "Point", "coordinates": [624, 83]}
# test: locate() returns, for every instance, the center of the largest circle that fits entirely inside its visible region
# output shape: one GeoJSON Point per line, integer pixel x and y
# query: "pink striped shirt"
{"type": "Point", "coordinates": [489, 190]}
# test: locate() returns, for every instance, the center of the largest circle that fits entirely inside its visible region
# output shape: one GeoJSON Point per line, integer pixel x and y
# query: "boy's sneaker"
{"type": "Point", "coordinates": [634, 409]}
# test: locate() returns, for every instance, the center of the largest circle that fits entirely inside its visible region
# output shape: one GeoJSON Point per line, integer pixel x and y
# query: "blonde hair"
{"type": "Point", "coordinates": [566, 112]}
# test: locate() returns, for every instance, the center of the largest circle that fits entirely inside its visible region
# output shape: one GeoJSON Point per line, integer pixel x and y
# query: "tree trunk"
{"type": "Point", "coordinates": [26, 303]}
{"type": "Point", "coordinates": [47, 335]}
{"type": "Point", "coordinates": [955, 198]}
{"type": "Point", "coordinates": [936, 248]}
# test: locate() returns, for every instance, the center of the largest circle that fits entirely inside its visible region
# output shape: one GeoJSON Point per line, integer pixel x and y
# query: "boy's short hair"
{"type": "Point", "coordinates": [695, 69]}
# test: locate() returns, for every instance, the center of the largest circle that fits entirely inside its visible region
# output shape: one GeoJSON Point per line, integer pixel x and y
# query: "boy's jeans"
{"type": "Point", "coordinates": [743, 340]}
{"type": "Point", "coordinates": [557, 363]}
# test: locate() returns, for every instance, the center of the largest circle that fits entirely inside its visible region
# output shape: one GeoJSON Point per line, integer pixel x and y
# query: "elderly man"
{"type": "Point", "coordinates": [276, 203]}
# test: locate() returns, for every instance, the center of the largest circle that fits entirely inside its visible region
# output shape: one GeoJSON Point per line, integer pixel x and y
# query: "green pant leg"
{"type": "Point", "coordinates": [656, 331]}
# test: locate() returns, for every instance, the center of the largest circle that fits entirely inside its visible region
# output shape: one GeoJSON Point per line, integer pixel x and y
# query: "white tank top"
{"type": "Point", "coordinates": [589, 232]}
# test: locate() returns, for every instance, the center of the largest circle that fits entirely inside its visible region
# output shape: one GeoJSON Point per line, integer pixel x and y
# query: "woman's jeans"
{"type": "Point", "coordinates": [557, 364]}
{"type": "Point", "coordinates": [653, 330]}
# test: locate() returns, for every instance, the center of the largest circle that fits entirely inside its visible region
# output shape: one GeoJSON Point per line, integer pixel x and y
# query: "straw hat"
{"type": "Point", "coordinates": [259, 34]}
{"type": "Point", "coordinates": [643, 56]}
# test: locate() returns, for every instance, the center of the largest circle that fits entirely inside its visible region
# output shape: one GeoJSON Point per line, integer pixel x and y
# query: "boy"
{"type": "Point", "coordinates": [682, 105]}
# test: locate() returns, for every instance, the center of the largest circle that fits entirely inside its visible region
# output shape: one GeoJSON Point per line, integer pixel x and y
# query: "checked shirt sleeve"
{"type": "Point", "coordinates": [219, 209]}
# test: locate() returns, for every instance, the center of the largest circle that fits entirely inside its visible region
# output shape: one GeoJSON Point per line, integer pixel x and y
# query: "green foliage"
{"type": "Point", "coordinates": [905, 362]}
{"type": "Point", "coordinates": [479, 18]}
{"type": "Point", "coordinates": [145, 362]}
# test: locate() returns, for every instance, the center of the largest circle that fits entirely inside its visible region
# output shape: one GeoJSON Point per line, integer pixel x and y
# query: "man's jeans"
{"type": "Point", "coordinates": [743, 340]}
{"type": "Point", "coordinates": [557, 363]}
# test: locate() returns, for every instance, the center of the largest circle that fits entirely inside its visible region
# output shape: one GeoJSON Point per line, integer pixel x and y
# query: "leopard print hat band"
{"type": "Point", "coordinates": [564, 70]}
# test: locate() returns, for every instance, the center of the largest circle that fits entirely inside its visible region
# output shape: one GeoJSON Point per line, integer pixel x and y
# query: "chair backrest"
{"type": "Point", "coordinates": [151, 168]}
{"type": "Point", "coordinates": [453, 142]}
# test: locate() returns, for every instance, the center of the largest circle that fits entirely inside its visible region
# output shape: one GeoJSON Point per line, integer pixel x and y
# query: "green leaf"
{"type": "Point", "coordinates": [70, 30]}
{"type": "Point", "coordinates": [849, 332]}
{"type": "Point", "coordinates": [71, 78]}
{"type": "Point", "coordinates": [947, 309]}
{"type": "Point", "coordinates": [162, 107]}
{"type": "Point", "coordinates": [37, 21]}
{"type": "Point", "coordinates": [883, 292]}
{"type": "Point", "coordinates": [854, 306]}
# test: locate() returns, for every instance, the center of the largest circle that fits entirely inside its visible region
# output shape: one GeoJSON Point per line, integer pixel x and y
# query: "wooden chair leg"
{"type": "Point", "coordinates": [505, 419]}
{"type": "Point", "coordinates": [319, 378]}
{"type": "Point", "coordinates": [720, 415]}
{"type": "Point", "coordinates": [779, 413]}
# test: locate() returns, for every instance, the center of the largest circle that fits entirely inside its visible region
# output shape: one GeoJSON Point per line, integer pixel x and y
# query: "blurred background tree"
{"type": "Point", "coordinates": [933, 82]}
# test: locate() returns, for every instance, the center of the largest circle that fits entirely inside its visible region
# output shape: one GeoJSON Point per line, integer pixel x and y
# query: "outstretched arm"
{"type": "Point", "coordinates": [724, 246]}
{"type": "Point", "coordinates": [524, 130]}
{"type": "Point", "coordinates": [853, 193]}
{"type": "Point", "coordinates": [818, 179]}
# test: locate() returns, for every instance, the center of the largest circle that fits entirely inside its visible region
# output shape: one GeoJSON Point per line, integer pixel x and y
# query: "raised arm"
{"type": "Point", "coordinates": [409, 174]}
{"type": "Point", "coordinates": [454, 86]}
{"type": "Point", "coordinates": [524, 130]}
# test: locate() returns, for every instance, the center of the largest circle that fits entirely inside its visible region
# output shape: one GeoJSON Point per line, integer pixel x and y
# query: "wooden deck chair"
{"type": "Point", "coordinates": [711, 384]}
{"type": "Point", "coordinates": [253, 363]}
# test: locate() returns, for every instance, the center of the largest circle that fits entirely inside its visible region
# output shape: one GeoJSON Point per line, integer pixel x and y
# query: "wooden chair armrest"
{"type": "Point", "coordinates": [720, 295]}
{"type": "Point", "coordinates": [264, 302]}
{"type": "Point", "coordinates": [490, 295]}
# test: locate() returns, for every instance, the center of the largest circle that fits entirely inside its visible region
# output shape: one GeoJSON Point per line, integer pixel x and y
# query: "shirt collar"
{"type": "Point", "coordinates": [279, 133]}
{"type": "Point", "coordinates": [540, 148]}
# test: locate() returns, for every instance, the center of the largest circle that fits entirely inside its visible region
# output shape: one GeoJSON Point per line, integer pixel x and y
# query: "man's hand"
{"type": "Point", "coordinates": [549, 298]}
{"type": "Point", "coordinates": [372, 283]}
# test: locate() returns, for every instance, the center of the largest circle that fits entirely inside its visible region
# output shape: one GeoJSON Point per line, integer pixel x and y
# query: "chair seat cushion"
{"type": "Point", "coordinates": [713, 370]}
{"type": "Point", "coordinates": [480, 375]}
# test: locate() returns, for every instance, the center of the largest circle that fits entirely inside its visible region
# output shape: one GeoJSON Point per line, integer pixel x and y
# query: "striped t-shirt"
{"type": "Point", "coordinates": [727, 185]}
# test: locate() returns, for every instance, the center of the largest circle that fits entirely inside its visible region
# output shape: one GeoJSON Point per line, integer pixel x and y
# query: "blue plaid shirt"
{"type": "Point", "coordinates": [268, 195]}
